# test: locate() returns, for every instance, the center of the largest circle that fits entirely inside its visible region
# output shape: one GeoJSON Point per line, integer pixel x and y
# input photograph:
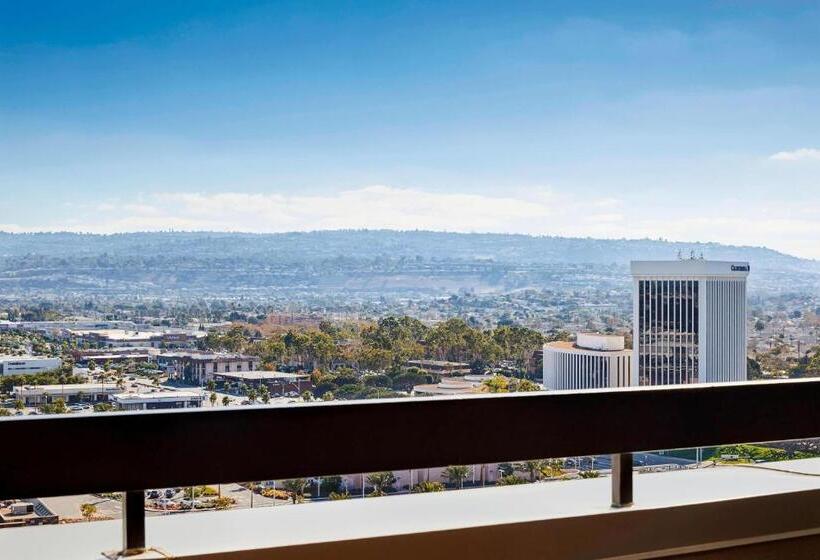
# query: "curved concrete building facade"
{"type": "Point", "coordinates": [593, 361]}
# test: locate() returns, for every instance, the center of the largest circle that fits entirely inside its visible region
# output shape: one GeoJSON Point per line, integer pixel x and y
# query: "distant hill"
{"type": "Point", "coordinates": [369, 244]}
{"type": "Point", "coordinates": [333, 261]}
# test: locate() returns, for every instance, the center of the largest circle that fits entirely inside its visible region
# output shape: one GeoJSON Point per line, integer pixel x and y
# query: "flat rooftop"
{"type": "Point", "coordinates": [159, 395]}
{"type": "Point", "coordinates": [11, 357]}
{"type": "Point", "coordinates": [258, 375]}
{"type": "Point", "coordinates": [571, 346]}
{"type": "Point", "coordinates": [208, 356]}
{"type": "Point", "coordinates": [439, 363]}
{"type": "Point", "coordinates": [66, 388]}
{"type": "Point", "coordinates": [690, 268]}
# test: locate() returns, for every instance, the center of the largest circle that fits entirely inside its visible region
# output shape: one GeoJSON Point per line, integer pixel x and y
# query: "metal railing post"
{"type": "Point", "coordinates": [622, 480]}
{"type": "Point", "coordinates": [133, 521]}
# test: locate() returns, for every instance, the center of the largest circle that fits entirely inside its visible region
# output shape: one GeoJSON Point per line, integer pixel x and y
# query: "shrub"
{"type": "Point", "coordinates": [428, 486]}
{"type": "Point", "coordinates": [510, 480]}
{"type": "Point", "coordinates": [589, 474]}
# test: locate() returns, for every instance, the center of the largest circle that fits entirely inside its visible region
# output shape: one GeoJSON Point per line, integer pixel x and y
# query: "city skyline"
{"type": "Point", "coordinates": [574, 119]}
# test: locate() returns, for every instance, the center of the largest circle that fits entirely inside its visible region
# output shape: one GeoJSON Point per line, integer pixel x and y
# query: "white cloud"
{"type": "Point", "coordinates": [797, 155]}
{"type": "Point", "coordinates": [374, 207]}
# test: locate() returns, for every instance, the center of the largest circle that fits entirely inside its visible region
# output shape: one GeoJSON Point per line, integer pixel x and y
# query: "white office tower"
{"type": "Point", "coordinates": [593, 361]}
{"type": "Point", "coordinates": [689, 321]}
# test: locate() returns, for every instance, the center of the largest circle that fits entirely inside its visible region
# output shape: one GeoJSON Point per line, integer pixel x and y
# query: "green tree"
{"type": "Point", "coordinates": [57, 407]}
{"type": "Point", "coordinates": [226, 400]}
{"type": "Point", "coordinates": [296, 488]}
{"type": "Point", "coordinates": [213, 398]}
{"type": "Point", "coordinates": [457, 474]}
{"type": "Point", "coordinates": [533, 469]}
{"type": "Point", "coordinates": [381, 482]}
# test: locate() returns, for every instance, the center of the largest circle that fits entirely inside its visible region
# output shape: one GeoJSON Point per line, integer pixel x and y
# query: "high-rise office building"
{"type": "Point", "coordinates": [689, 321]}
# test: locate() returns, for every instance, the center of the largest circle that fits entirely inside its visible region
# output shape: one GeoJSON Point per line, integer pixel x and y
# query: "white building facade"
{"type": "Point", "coordinates": [593, 361]}
{"type": "Point", "coordinates": [689, 321]}
{"type": "Point", "coordinates": [158, 401]}
{"type": "Point", "coordinates": [19, 365]}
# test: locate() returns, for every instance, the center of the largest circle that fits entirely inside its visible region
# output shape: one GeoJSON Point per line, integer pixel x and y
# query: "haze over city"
{"type": "Point", "coordinates": [693, 123]}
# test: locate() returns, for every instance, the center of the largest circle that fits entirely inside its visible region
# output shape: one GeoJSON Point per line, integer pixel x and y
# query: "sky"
{"type": "Point", "coordinates": [696, 121]}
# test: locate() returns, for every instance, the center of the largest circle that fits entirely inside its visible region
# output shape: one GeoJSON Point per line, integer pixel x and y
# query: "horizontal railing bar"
{"type": "Point", "coordinates": [59, 455]}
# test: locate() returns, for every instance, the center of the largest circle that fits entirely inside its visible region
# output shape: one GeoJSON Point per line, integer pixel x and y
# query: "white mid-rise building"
{"type": "Point", "coordinates": [593, 361]}
{"type": "Point", "coordinates": [689, 321]}
{"type": "Point", "coordinates": [19, 365]}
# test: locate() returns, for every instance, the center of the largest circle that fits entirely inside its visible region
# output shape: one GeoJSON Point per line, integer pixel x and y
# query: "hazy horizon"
{"type": "Point", "coordinates": [575, 119]}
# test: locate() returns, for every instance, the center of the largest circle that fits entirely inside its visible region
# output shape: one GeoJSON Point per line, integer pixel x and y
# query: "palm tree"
{"type": "Point", "coordinates": [213, 399]}
{"type": "Point", "coordinates": [252, 395]}
{"type": "Point", "coordinates": [264, 394]}
{"type": "Point", "coordinates": [456, 474]}
{"type": "Point", "coordinates": [226, 400]}
{"type": "Point", "coordinates": [533, 468]}
{"type": "Point", "coordinates": [382, 482]}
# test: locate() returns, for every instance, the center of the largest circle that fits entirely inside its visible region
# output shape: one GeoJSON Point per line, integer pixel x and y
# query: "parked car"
{"type": "Point", "coordinates": [153, 494]}
{"type": "Point", "coordinates": [169, 492]}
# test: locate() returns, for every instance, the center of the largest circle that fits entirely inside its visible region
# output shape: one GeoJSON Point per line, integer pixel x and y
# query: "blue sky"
{"type": "Point", "coordinates": [607, 119]}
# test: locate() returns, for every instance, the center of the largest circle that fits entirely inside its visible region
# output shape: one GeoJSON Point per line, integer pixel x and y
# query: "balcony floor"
{"type": "Point", "coordinates": [691, 504]}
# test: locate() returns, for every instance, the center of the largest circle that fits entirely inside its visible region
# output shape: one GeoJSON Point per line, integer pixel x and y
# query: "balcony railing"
{"type": "Point", "coordinates": [65, 455]}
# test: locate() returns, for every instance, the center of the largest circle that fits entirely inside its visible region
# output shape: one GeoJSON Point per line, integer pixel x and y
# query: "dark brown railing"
{"type": "Point", "coordinates": [64, 455]}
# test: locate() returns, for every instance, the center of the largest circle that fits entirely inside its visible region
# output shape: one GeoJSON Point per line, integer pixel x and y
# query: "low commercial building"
{"type": "Point", "coordinates": [200, 367]}
{"type": "Point", "coordinates": [17, 513]}
{"type": "Point", "coordinates": [19, 365]}
{"type": "Point", "coordinates": [158, 400]}
{"type": "Point", "coordinates": [114, 338]}
{"type": "Point", "coordinates": [55, 327]}
{"type": "Point", "coordinates": [115, 356]}
{"type": "Point", "coordinates": [278, 383]}
{"type": "Point", "coordinates": [70, 393]}
{"type": "Point", "coordinates": [440, 366]}
{"type": "Point", "coordinates": [593, 361]}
